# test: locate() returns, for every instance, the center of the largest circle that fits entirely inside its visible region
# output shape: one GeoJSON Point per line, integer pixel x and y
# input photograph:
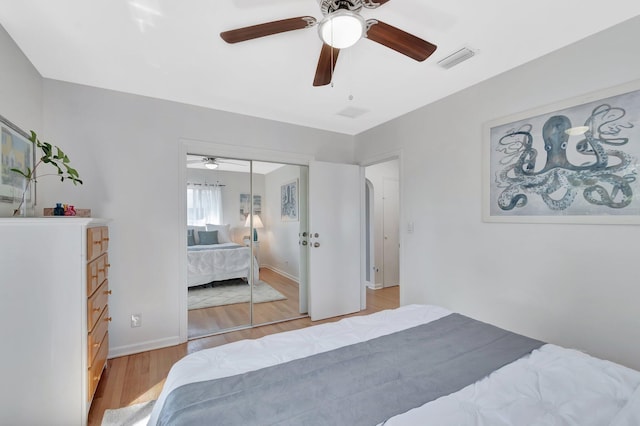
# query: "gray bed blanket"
{"type": "Point", "coordinates": [360, 384]}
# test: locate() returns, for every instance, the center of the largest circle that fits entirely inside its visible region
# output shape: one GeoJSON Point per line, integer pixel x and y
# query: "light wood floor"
{"type": "Point", "coordinates": [207, 321]}
{"type": "Point", "coordinates": [139, 378]}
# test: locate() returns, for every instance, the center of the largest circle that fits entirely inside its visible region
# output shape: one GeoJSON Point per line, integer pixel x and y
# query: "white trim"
{"type": "Point", "coordinates": [371, 232]}
{"type": "Point", "coordinates": [115, 352]}
{"type": "Point", "coordinates": [283, 273]}
{"type": "Point", "coordinates": [181, 289]}
{"type": "Point", "coordinates": [363, 241]}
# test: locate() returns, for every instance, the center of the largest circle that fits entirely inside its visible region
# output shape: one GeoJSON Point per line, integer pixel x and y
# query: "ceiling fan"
{"type": "Point", "coordinates": [341, 27]}
{"type": "Point", "coordinates": [210, 163]}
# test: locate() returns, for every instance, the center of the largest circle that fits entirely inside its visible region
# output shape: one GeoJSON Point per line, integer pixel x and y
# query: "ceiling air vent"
{"type": "Point", "coordinates": [456, 57]}
{"type": "Point", "coordinates": [352, 112]}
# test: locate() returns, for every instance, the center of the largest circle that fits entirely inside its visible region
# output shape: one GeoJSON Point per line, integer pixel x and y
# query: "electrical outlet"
{"type": "Point", "coordinates": [136, 320]}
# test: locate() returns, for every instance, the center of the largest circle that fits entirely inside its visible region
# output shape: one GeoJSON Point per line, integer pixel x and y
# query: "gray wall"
{"type": "Point", "coordinates": [279, 248]}
{"type": "Point", "coordinates": [127, 150]}
{"type": "Point", "coordinates": [20, 93]}
{"type": "Point", "coordinates": [576, 285]}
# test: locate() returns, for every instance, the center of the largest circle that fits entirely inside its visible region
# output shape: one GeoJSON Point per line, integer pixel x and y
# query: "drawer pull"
{"type": "Point", "coordinates": [108, 319]}
{"type": "Point", "coordinates": [108, 265]}
{"type": "Point", "coordinates": [101, 270]}
{"type": "Point", "coordinates": [108, 292]}
{"type": "Point", "coordinates": [105, 239]}
{"type": "Point", "coordinates": [97, 242]}
{"type": "Point", "coordinates": [95, 345]}
{"type": "Point", "coordinates": [96, 309]}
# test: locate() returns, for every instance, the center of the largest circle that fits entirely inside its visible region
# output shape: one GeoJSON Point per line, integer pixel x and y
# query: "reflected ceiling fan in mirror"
{"type": "Point", "coordinates": [341, 27]}
{"type": "Point", "coordinates": [210, 163]}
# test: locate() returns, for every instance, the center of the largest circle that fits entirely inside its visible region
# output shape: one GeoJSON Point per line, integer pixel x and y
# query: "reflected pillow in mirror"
{"type": "Point", "coordinates": [223, 232]}
{"type": "Point", "coordinates": [208, 237]}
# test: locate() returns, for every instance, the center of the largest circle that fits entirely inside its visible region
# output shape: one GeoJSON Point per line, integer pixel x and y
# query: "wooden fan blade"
{"type": "Point", "coordinates": [372, 4]}
{"type": "Point", "coordinates": [268, 28]}
{"type": "Point", "coordinates": [398, 40]}
{"type": "Point", "coordinates": [326, 65]}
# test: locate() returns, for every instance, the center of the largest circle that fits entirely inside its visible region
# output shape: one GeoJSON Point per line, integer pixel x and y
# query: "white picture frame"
{"type": "Point", "coordinates": [535, 172]}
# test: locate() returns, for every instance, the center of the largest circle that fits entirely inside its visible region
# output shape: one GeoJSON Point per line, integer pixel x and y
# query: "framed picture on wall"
{"type": "Point", "coordinates": [16, 153]}
{"type": "Point", "coordinates": [575, 161]}
{"type": "Point", "coordinates": [245, 205]}
{"type": "Point", "coordinates": [289, 207]}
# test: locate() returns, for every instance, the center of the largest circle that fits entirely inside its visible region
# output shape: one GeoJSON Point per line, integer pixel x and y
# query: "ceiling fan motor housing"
{"type": "Point", "coordinates": [329, 6]}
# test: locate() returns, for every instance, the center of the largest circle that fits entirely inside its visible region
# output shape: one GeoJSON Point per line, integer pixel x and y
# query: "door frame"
{"type": "Point", "coordinates": [215, 149]}
{"type": "Point", "coordinates": [370, 235]}
{"type": "Point", "coordinates": [370, 161]}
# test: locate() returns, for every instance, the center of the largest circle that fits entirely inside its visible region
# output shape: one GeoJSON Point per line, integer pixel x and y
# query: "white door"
{"type": "Point", "coordinates": [391, 231]}
{"type": "Point", "coordinates": [334, 240]}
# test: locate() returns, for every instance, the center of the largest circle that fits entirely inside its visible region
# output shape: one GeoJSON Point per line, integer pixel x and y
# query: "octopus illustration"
{"type": "Point", "coordinates": [604, 177]}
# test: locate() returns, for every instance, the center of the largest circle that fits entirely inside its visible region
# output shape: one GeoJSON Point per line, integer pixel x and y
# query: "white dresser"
{"type": "Point", "coordinates": [54, 318]}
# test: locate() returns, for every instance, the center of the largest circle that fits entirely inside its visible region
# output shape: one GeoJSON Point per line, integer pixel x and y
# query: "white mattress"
{"type": "Point", "coordinates": [551, 380]}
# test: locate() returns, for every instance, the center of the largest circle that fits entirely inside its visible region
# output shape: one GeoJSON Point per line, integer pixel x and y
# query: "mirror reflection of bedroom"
{"type": "Point", "coordinates": [243, 252]}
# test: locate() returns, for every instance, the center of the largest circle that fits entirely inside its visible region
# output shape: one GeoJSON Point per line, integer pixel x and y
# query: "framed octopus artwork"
{"type": "Point", "coordinates": [572, 162]}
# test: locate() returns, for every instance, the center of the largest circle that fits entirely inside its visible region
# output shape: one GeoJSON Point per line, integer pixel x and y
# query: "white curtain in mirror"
{"type": "Point", "coordinates": [204, 205]}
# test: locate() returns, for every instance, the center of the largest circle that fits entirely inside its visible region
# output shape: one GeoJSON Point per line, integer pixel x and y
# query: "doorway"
{"type": "Point", "coordinates": [248, 270]}
{"type": "Point", "coordinates": [382, 224]}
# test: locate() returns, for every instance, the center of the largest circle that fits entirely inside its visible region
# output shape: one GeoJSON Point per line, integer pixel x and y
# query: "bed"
{"type": "Point", "coordinates": [217, 262]}
{"type": "Point", "coordinates": [413, 365]}
{"type": "Point", "coordinates": [220, 259]}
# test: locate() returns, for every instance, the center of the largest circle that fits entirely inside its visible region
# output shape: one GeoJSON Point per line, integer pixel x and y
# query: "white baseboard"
{"type": "Point", "coordinates": [284, 274]}
{"type": "Point", "coordinates": [115, 352]}
{"type": "Point", "coordinates": [375, 286]}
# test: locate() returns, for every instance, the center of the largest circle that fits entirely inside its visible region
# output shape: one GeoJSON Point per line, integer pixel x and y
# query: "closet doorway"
{"type": "Point", "coordinates": [382, 191]}
{"type": "Point", "coordinates": [244, 262]}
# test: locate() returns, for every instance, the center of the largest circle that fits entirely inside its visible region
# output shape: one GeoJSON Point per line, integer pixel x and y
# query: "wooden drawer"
{"type": "Point", "coordinates": [97, 272]}
{"type": "Point", "coordinates": [96, 304]}
{"type": "Point", "coordinates": [95, 370]}
{"type": "Point", "coordinates": [96, 336]}
{"type": "Point", "coordinates": [94, 242]}
{"type": "Point", "coordinates": [104, 231]}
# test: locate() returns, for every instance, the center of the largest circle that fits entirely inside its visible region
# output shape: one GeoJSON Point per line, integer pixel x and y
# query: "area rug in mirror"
{"type": "Point", "coordinates": [230, 292]}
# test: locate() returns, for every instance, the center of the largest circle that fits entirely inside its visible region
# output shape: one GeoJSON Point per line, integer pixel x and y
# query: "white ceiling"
{"type": "Point", "coordinates": [172, 50]}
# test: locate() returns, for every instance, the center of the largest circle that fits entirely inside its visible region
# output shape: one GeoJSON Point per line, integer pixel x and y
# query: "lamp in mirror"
{"type": "Point", "coordinates": [257, 223]}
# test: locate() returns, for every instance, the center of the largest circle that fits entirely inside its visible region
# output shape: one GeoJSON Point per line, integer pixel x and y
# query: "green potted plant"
{"type": "Point", "coordinates": [52, 155]}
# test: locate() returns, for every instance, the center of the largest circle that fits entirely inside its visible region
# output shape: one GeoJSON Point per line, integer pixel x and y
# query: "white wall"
{"type": "Point", "coordinates": [20, 93]}
{"type": "Point", "coordinates": [235, 183]}
{"type": "Point", "coordinates": [127, 150]}
{"type": "Point", "coordinates": [376, 174]}
{"type": "Point", "coordinates": [576, 285]}
{"type": "Point", "coordinates": [283, 252]}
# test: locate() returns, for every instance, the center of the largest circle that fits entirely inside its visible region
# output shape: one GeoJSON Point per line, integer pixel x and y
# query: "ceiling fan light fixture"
{"type": "Point", "coordinates": [211, 164]}
{"type": "Point", "coordinates": [342, 29]}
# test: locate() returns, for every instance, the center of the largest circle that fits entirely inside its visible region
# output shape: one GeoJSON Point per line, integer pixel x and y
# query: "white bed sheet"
{"type": "Point", "coordinates": [249, 355]}
{"type": "Point", "coordinates": [552, 386]}
{"type": "Point", "coordinates": [224, 262]}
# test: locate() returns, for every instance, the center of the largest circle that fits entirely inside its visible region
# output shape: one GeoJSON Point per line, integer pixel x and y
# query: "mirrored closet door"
{"type": "Point", "coordinates": [244, 263]}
